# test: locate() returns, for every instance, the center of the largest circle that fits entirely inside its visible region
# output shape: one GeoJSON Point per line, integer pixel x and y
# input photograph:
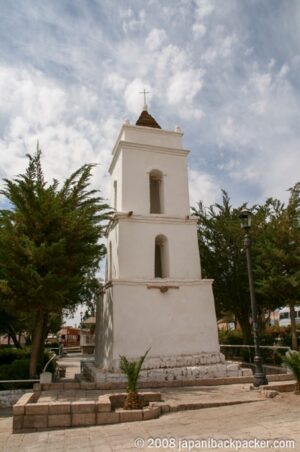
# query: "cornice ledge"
{"type": "Point", "coordinates": [153, 218]}
{"type": "Point", "coordinates": [157, 282]}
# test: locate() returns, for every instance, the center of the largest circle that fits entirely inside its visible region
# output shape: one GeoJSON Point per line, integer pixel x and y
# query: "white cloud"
{"type": "Point", "coordinates": [204, 8]}
{"type": "Point", "coordinates": [156, 38]}
{"type": "Point", "coordinates": [115, 82]}
{"type": "Point", "coordinates": [184, 86]}
{"type": "Point", "coordinates": [133, 96]}
{"type": "Point", "coordinates": [261, 82]}
{"type": "Point", "coordinates": [199, 30]}
{"type": "Point", "coordinates": [202, 187]}
{"type": "Point", "coordinates": [135, 24]}
{"type": "Point", "coordinates": [38, 109]}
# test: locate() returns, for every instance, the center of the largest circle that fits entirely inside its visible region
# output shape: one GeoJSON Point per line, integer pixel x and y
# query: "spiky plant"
{"type": "Point", "coordinates": [132, 370]}
{"type": "Point", "coordinates": [292, 360]}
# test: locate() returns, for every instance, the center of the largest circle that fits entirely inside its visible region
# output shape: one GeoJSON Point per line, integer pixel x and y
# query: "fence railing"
{"type": "Point", "coordinates": [271, 354]}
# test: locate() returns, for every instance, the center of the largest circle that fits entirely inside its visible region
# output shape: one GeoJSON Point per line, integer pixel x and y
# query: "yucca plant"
{"type": "Point", "coordinates": [292, 360]}
{"type": "Point", "coordinates": [132, 370]}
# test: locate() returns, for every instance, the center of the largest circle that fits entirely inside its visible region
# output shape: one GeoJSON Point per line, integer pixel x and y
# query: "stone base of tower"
{"type": "Point", "coordinates": [184, 369]}
{"type": "Point", "coordinates": [175, 319]}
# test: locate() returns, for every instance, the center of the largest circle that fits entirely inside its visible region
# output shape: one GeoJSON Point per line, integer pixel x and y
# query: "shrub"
{"type": "Point", "coordinates": [292, 360]}
{"type": "Point", "coordinates": [15, 366]}
{"type": "Point", "coordinates": [9, 355]}
{"type": "Point", "coordinates": [232, 337]}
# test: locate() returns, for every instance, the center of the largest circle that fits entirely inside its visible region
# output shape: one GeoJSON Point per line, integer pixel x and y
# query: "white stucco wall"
{"type": "Point", "coordinates": [178, 322]}
{"type": "Point", "coordinates": [146, 135]}
{"type": "Point", "coordinates": [133, 248]}
{"type": "Point", "coordinates": [137, 165]}
{"type": "Point", "coordinates": [117, 175]}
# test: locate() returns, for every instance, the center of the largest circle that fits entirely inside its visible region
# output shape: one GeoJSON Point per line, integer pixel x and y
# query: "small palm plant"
{"type": "Point", "coordinates": [132, 370]}
{"type": "Point", "coordinates": [292, 360]}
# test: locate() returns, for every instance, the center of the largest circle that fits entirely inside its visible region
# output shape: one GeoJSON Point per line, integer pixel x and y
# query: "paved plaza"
{"type": "Point", "coordinates": [276, 418]}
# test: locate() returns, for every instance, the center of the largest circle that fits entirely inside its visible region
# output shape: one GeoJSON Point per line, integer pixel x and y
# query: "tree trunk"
{"type": "Point", "coordinates": [13, 336]}
{"type": "Point", "coordinates": [293, 326]}
{"type": "Point", "coordinates": [36, 343]}
{"type": "Point", "coordinates": [43, 338]}
{"type": "Point", "coordinates": [246, 329]}
{"type": "Point", "coordinates": [132, 401]}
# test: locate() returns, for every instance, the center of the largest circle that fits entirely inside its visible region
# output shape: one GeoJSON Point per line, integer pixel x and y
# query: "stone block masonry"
{"type": "Point", "coordinates": [41, 410]}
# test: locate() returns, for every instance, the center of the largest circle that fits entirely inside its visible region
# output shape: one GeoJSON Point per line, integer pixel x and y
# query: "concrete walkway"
{"type": "Point", "coordinates": [276, 418]}
{"type": "Point", "coordinates": [71, 363]}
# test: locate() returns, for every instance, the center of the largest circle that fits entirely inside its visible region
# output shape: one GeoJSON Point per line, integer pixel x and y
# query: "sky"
{"type": "Point", "coordinates": [227, 72]}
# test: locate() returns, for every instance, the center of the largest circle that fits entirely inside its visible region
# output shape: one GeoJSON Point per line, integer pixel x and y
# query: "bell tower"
{"type": "Point", "coordinates": [155, 296]}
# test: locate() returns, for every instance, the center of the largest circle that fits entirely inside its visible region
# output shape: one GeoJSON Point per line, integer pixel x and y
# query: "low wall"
{"type": "Point", "coordinates": [29, 415]}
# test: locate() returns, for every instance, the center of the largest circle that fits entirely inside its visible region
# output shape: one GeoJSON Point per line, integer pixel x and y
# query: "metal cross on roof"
{"type": "Point", "coordinates": [145, 100]}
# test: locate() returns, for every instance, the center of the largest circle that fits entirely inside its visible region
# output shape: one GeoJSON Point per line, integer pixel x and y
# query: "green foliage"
{"type": "Point", "coordinates": [132, 370]}
{"type": "Point", "coordinates": [49, 246]}
{"type": "Point", "coordinates": [14, 365]}
{"type": "Point", "coordinates": [50, 239]}
{"type": "Point", "coordinates": [8, 355]}
{"type": "Point", "coordinates": [278, 262]}
{"type": "Point", "coordinates": [292, 360]}
{"type": "Point", "coordinates": [17, 370]}
{"type": "Point", "coordinates": [278, 265]}
{"type": "Point", "coordinates": [275, 235]}
{"type": "Point", "coordinates": [231, 337]}
{"type": "Point", "coordinates": [223, 259]}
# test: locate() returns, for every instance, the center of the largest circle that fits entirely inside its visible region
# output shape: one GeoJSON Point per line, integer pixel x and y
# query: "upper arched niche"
{"type": "Point", "coordinates": [156, 191]}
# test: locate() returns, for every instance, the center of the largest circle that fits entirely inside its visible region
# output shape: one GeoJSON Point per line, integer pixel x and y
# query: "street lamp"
{"type": "Point", "coordinates": [259, 375]}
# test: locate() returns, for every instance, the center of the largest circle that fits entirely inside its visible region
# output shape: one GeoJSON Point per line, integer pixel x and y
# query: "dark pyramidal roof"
{"type": "Point", "coordinates": [147, 120]}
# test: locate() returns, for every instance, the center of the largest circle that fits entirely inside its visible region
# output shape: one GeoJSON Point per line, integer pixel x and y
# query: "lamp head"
{"type": "Point", "coordinates": [245, 217]}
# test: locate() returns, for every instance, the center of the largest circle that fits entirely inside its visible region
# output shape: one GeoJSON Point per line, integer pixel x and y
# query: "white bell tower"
{"type": "Point", "coordinates": [155, 296]}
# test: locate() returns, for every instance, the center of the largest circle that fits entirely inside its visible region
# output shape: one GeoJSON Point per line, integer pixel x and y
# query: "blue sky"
{"type": "Point", "coordinates": [226, 72]}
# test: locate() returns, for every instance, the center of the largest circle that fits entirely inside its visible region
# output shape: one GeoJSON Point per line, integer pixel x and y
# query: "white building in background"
{"type": "Point", "coordinates": [285, 316]}
{"type": "Point", "coordinates": [155, 296]}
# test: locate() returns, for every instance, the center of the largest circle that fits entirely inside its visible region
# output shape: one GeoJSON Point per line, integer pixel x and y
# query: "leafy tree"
{"type": "Point", "coordinates": [220, 241]}
{"type": "Point", "coordinates": [49, 246]}
{"type": "Point", "coordinates": [292, 361]}
{"type": "Point", "coordinates": [278, 263]}
{"type": "Point", "coordinates": [11, 325]}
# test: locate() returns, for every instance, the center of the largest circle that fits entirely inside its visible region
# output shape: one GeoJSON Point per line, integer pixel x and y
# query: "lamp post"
{"type": "Point", "coordinates": [259, 375]}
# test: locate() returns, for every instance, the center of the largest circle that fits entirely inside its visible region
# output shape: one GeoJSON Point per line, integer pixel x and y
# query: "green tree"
{"type": "Point", "coordinates": [220, 241]}
{"type": "Point", "coordinates": [278, 262]}
{"type": "Point", "coordinates": [11, 325]}
{"type": "Point", "coordinates": [49, 246]}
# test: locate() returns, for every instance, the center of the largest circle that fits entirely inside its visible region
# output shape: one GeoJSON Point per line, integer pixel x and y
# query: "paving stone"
{"type": "Point", "coordinates": [83, 407]}
{"type": "Point", "coordinates": [59, 420]}
{"type": "Point", "coordinates": [87, 385]}
{"type": "Point", "coordinates": [67, 386]}
{"type": "Point", "coordinates": [26, 398]}
{"type": "Point", "coordinates": [103, 404]}
{"type": "Point", "coordinates": [35, 408]}
{"type": "Point", "coordinates": [56, 387]}
{"type": "Point", "coordinates": [151, 396]}
{"type": "Point", "coordinates": [18, 409]}
{"type": "Point", "coordinates": [37, 387]}
{"type": "Point", "coordinates": [83, 419]}
{"type": "Point", "coordinates": [35, 421]}
{"type": "Point", "coordinates": [59, 408]}
{"type": "Point", "coordinates": [151, 413]}
{"type": "Point", "coordinates": [18, 422]}
{"type": "Point", "coordinates": [107, 418]}
{"type": "Point", "coordinates": [130, 415]}
{"type": "Point", "coordinates": [270, 394]}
